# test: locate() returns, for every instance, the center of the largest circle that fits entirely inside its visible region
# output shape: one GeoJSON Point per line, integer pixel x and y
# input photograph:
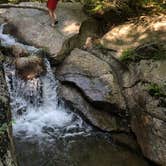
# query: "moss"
{"type": "Point", "coordinates": [96, 6]}
{"type": "Point", "coordinates": [3, 128]}
{"type": "Point", "coordinates": [99, 46]}
{"type": "Point", "coordinates": [45, 49]}
{"type": "Point", "coordinates": [2, 58]}
{"type": "Point", "coordinates": [130, 55]}
{"type": "Point", "coordinates": [158, 5]}
{"type": "Point", "coordinates": [1, 55]}
{"type": "Point", "coordinates": [157, 90]}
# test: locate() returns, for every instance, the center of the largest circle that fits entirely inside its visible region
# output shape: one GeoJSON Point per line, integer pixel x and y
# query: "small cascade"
{"type": "Point", "coordinates": [35, 108]}
{"type": "Point", "coordinates": [7, 40]}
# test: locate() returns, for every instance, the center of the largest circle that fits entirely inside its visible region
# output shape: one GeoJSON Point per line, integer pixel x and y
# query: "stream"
{"type": "Point", "coordinates": [46, 133]}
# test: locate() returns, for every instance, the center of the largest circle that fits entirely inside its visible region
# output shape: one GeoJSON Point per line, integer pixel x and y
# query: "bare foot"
{"type": "Point", "coordinates": [53, 25]}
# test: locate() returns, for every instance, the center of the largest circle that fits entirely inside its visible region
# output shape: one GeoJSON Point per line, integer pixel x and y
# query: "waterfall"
{"type": "Point", "coordinates": [7, 40]}
{"type": "Point", "coordinates": [35, 108]}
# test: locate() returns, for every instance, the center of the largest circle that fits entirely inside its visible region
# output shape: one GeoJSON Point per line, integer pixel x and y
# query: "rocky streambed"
{"type": "Point", "coordinates": [122, 103]}
{"type": "Point", "coordinates": [45, 132]}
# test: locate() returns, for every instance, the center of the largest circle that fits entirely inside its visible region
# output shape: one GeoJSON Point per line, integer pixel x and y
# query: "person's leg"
{"type": "Point", "coordinates": [52, 16]}
{"type": "Point", "coordinates": [50, 13]}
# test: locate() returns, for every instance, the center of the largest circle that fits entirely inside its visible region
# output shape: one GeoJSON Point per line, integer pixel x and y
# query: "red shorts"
{"type": "Point", "coordinates": [51, 4]}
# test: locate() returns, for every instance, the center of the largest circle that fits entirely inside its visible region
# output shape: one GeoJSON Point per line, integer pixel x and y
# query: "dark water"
{"type": "Point", "coordinates": [93, 150]}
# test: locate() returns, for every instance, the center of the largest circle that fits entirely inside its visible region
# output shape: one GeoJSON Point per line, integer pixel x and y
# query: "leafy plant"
{"type": "Point", "coordinates": [131, 55]}
{"type": "Point", "coordinates": [128, 55]}
{"type": "Point", "coordinates": [95, 6]}
{"type": "Point", "coordinates": [157, 90]}
{"type": "Point", "coordinates": [4, 127]}
{"type": "Point", "coordinates": [158, 4]}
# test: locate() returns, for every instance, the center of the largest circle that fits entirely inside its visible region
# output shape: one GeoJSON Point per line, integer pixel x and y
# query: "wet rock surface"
{"type": "Point", "coordinates": [6, 142]}
{"type": "Point", "coordinates": [97, 117]}
{"type": "Point", "coordinates": [30, 67]}
{"type": "Point", "coordinates": [19, 51]}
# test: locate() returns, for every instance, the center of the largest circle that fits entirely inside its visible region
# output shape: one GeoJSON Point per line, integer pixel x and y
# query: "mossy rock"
{"type": "Point", "coordinates": [155, 51]}
{"type": "Point", "coordinates": [157, 90]}
{"type": "Point", "coordinates": [1, 58]}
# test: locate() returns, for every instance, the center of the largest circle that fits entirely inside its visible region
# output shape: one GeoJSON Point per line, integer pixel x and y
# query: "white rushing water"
{"type": "Point", "coordinates": [34, 103]}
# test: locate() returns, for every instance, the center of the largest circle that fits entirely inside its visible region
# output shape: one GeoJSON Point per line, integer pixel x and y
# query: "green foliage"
{"type": "Point", "coordinates": [157, 90]}
{"type": "Point", "coordinates": [154, 2]}
{"type": "Point", "coordinates": [1, 58]}
{"type": "Point", "coordinates": [4, 127]}
{"type": "Point", "coordinates": [153, 5]}
{"type": "Point", "coordinates": [94, 6]}
{"type": "Point", "coordinates": [131, 55]}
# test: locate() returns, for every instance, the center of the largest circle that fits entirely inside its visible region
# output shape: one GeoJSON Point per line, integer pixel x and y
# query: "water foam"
{"type": "Point", "coordinates": [37, 113]}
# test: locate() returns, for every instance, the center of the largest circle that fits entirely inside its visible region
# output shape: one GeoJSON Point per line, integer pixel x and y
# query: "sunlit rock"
{"type": "Point", "coordinates": [133, 34]}
{"type": "Point", "coordinates": [30, 67]}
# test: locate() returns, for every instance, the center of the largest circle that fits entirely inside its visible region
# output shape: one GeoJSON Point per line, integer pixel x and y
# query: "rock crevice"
{"type": "Point", "coordinates": [7, 157]}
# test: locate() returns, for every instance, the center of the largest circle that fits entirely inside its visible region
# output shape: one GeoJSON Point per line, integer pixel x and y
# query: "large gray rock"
{"type": "Point", "coordinates": [81, 69]}
{"type": "Point", "coordinates": [99, 118]}
{"type": "Point", "coordinates": [92, 76]}
{"type": "Point", "coordinates": [148, 112]}
{"type": "Point", "coordinates": [151, 133]}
